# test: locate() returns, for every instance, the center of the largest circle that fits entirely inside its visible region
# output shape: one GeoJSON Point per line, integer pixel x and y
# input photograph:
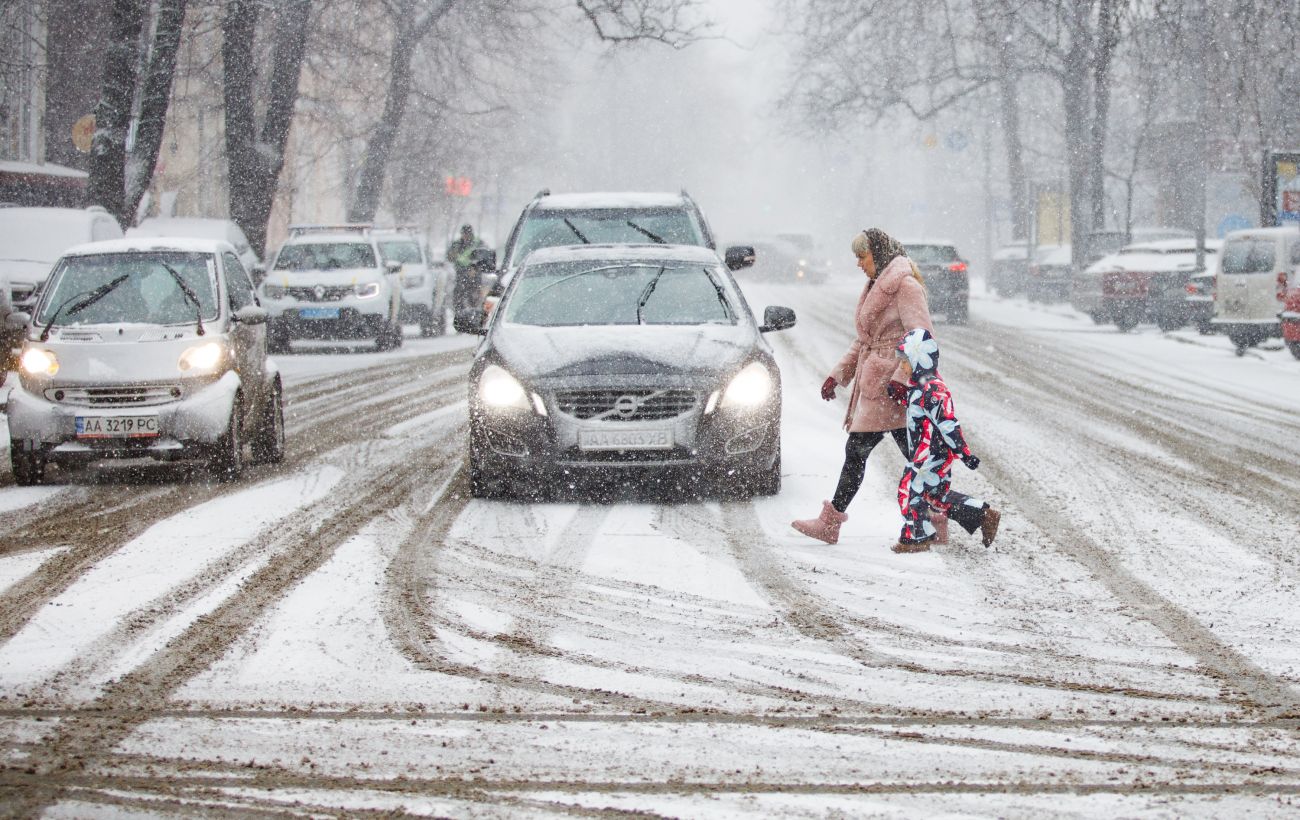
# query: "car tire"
{"type": "Point", "coordinates": [1294, 347]}
{"type": "Point", "coordinates": [1241, 341]}
{"type": "Point", "coordinates": [433, 323]}
{"type": "Point", "coordinates": [1097, 318]}
{"type": "Point", "coordinates": [1126, 321]}
{"type": "Point", "coordinates": [268, 445]}
{"type": "Point", "coordinates": [485, 482]}
{"type": "Point", "coordinates": [769, 481]}
{"type": "Point", "coordinates": [1170, 323]}
{"type": "Point", "coordinates": [227, 460]}
{"type": "Point", "coordinates": [28, 468]}
{"type": "Point", "coordinates": [390, 338]}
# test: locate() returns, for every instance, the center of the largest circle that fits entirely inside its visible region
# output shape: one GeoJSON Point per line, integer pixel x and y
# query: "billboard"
{"type": "Point", "coordinates": [1281, 189]}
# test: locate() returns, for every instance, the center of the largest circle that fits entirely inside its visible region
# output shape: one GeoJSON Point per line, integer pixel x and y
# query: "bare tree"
{"type": "Point", "coordinates": [256, 155]}
{"type": "Point", "coordinates": [121, 168]}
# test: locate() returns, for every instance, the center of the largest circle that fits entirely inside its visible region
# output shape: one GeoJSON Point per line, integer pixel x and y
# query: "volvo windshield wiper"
{"type": "Point", "coordinates": [645, 294]}
{"type": "Point", "coordinates": [654, 237]}
{"type": "Point", "coordinates": [189, 296]}
{"type": "Point", "coordinates": [576, 232]}
{"type": "Point", "coordinates": [87, 297]}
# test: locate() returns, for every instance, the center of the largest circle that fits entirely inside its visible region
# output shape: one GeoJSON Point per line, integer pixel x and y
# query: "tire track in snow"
{"type": "Point", "coordinates": [78, 743]}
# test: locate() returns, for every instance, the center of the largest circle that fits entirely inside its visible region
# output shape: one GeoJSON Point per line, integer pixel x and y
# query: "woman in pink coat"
{"type": "Point", "coordinates": [892, 303]}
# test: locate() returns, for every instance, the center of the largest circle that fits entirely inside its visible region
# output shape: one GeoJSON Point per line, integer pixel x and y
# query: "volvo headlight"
{"type": "Point", "coordinates": [38, 362]}
{"type": "Point", "coordinates": [499, 390]}
{"type": "Point", "coordinates": [367, 290]}
{"type": "Point", "coordinates": [415, 280]}
{"type": "Point", "coordinates": [273, 291]}
{"type": "Point", "coordinates": [750, 388]}
{"type": "Point", "coordinates": [203, 358]}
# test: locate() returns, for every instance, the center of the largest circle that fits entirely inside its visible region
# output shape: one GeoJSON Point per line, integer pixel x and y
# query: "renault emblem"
{"type": "Point", "coordinates": [626, 406]}
{"type": "Point", "coordinates": [320, 293]}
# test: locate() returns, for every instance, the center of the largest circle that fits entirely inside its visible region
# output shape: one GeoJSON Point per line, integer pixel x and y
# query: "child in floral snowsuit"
{"type": "Point", "coordinates": [935, 441]}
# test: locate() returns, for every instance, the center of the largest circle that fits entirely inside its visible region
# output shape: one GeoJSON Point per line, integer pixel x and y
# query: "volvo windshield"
{"type": "Point", "coordinates": [599, 226]}
{"type": "Point", "coordinates": [618, 293]}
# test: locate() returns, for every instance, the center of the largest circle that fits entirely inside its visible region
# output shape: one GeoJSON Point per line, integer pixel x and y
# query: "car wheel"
{"type": "Point", "coordinates": [1205, 328]}
{"type": "Point", "coordinates": [1126, 321]}
{"type": "Point", "coordinates": [433, 323]}
{"type": "Point", "coordinates": [1294, 347]}
{"type": "Point", "coordinates": [390, 338]}
{"type": "Point", "coordinates": [1241, 341]}
{"type": "Point", "coordinates": [769, 481]}
{"type": "Point", "coordinates": [268, 446]}
{"type": "Point", "coordinates": [1169, 323]}
{"type": "Point", "coordinates": [28, 468]}
{"type": "Point", "coordinates": [1097, 318]}
{"type": "Point", "coordinates": [227, 460]}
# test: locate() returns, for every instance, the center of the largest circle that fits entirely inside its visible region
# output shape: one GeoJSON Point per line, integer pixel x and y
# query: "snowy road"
{"type": "Point", "coordinates": [349, 633]}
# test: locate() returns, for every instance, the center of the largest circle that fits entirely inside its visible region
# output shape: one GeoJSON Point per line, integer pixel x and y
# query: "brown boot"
{"type": "Point", "coordinates": [940, 522]}
{"type": "Point", "coordinates": [989, 525]}
{"type": "Point", "coordinates": [825, 527]}
{"type": "Point", "coordinates": [914, 546]}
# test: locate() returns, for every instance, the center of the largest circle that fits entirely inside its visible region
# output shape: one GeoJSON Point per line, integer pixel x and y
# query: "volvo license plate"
{"type": "Point", "coordinates": [625, 439]}
{"type": "Point", "coordinates": [117, 426]}
{"type": "Point", "coordinates": [318, 313]}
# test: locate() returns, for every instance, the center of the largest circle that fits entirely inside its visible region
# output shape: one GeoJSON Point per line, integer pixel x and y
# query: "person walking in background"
{"type": "Point", "coordinates": [466, 289]}
{"type": "Point", "coordinates": [934, 441]}
{"type": "Point", "coordinates": [892, 301]}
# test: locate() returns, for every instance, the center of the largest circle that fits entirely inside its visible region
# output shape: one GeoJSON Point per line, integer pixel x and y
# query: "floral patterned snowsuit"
{"type": "Point", "coordinates": [935, 441]}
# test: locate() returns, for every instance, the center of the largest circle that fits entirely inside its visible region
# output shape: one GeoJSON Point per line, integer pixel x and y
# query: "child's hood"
{"type": "Point", "coordinates": [922, 351]}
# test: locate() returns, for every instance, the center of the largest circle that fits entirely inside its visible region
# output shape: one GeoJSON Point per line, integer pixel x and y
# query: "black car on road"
{"type": "Point", "coordinates": [619, 359]}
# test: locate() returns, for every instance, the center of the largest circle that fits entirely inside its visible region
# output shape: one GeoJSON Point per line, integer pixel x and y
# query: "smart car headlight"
{"type": "Point", "coordinates": [367, 290]}
{"type": "Point", "coordinates": [203, 358]}
{"type": "Point", "coordinates": [499, 390]}
{"type": "Point", "coordinates": [749, 388]}
{"type": "Point", "coordinates": [38, 362]}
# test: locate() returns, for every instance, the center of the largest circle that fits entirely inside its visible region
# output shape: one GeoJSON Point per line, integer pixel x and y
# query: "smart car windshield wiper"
{"type": "Point", "coordinates": [87, 297]}
{"type": "Point", "coordinates": [645, 293]}
{"type": "Point", "coordinates": [576, 232]}
{"type": "Point", "coordinates": [654, 237]}
{"type": "Point", "coordinates": [189, 295]}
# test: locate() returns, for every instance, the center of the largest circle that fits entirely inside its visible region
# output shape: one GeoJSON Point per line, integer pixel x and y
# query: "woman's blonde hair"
{"type": "Point", "coordinates": [883, 249]}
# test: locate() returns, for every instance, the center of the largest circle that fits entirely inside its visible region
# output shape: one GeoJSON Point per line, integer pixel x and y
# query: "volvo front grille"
{"type": "Point", "coordinates": [625, 405]}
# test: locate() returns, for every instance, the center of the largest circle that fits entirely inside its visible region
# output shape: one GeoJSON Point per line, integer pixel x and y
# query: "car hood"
{"type": "Point", "coordinates": [120, 353]}
{"type": "Point", "coordinates": [541, 352]}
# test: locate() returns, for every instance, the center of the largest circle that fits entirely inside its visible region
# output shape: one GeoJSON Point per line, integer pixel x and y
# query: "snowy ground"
{"type": "Point", "coordinates": [349, 633]}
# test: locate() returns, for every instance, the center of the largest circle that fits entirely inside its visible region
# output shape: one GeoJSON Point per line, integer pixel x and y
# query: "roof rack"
{"type": "Point", "coordinates": [345, 227]}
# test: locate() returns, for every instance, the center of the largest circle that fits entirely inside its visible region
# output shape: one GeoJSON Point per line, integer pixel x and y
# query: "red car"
{"type": "Point", "coordinates": [1290, 314]}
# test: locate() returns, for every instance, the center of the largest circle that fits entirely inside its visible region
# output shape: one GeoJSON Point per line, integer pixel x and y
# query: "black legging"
{"type": "Point", "coordinates": [856, 450]}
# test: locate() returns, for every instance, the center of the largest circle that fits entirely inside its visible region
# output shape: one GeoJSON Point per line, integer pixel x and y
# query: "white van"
{"type": "Point", "coordinates": [1250, 284]}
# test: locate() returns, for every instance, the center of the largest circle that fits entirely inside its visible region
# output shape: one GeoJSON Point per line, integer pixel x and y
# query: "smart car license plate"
{"type": "Point", "coordinates": [318, 313]}
{"type": "Point", "coordinates": [117, 426]}
{"type": "Point", "coordinates": [625, 439]}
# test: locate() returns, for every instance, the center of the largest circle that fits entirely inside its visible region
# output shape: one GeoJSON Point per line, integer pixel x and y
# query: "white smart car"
{"type": "Point", "coordinates": [146, 348]}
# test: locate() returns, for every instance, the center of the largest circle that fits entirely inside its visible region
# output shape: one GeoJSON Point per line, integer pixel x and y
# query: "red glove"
{"type": "Point", "coordinates": [828, 388]}
{"type": "Point", "coordinates": [896, 391]}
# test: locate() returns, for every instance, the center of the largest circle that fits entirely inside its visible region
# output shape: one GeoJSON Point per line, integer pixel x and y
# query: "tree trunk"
{"type": "Point", "coordinates": [154, 101]}
{"type": "Point", "coordinates": [1105, 48]}
{"type": "Point", "coordinates": [254, 160]}
{"type": "Point", "coordinates": [107, 183]}
{"type": "Point", "coordinates": [1016, 179]}
{"type": "Point", "coordinates": [1074, 87]}
{"type": "Point", "coordinates": [371, 182]}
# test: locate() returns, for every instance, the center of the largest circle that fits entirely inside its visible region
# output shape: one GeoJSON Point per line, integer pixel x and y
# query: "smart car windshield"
{"type": "Point", "coordinates": [326, 256]}
{"type": "Point", "coordinates": [618, 293]}
{"type": "Point", "coordinates": [545, 229]}
{"type": "Point", "coordinates": [148, 295]}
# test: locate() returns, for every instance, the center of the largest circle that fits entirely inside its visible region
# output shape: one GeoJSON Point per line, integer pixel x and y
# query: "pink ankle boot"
{"type": "Point", "coordinates": [825, 527]}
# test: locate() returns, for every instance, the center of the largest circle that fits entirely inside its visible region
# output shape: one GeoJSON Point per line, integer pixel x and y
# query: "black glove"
{"type": "Point", "coordinates": [971, 462]}
{"type": "Point", "coordinates": [828, 388]}
{"type": "Point", "coordinates": [897, 391]}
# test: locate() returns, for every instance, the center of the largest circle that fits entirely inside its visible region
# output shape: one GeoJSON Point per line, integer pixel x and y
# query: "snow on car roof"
{"type": "Point", "coordinates": [328, 238]}
{"type": "Point", "coordinates": [1170, 246]}
{"type": "Point", "coordinates": [609, 199]}
{"type": "Point", "coordinates": [657, 253]}
{"type": "Point", "coordinates": [138, 244]}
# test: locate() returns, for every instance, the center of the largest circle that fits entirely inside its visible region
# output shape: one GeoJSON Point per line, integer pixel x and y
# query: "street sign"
{"type": "Point", "coordinates": [83, 133]}
{"type": "Point", "coordinates": [1280, 204]}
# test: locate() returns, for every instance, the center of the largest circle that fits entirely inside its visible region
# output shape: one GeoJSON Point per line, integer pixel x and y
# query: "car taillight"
{"type": "Point", "coordinates": [1281, 286]}
{"type": "Point", "coordinates": [957, 267]}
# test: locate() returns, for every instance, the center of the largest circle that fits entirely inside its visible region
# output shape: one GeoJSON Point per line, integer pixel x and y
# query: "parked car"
{"type": "Point", "coordinates": [1050, 274]}
{"type": "Point", "coordinates": [330, 282]}
{"type": "Point", "coordinates": [33, 240]}
{"type": "Point", "coordinates": [1143, 282]}
{"type": "Point", "coordinates": [204, 228]}
{"type": "Point", "coordinates": [945, 273]}
{"type": "Point", "coordinates": [1104, 243]}
{"type": "Point", "coordinates": [594, 218]}
{"type": "Point", "coordinates": [1290, 316]}
{"type": "Point", "coordinates": [1251, 284]}
{"type": "Point", "coordinates": [777, 261]}
{"type": "Point", "coordinates": [1200, 300]}
{"type": "Point", "coordinates": [146, 348]}
{"type": "Point", "coordinates": [426, 282]}
{"type": "Point", "coordinates": [615, 358]}
{"type": "Point", "coordinates": [1009, 269]}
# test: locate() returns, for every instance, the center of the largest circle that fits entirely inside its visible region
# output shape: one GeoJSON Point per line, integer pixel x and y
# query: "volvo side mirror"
{"type": "Point", "coordinates": [776, 317]}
